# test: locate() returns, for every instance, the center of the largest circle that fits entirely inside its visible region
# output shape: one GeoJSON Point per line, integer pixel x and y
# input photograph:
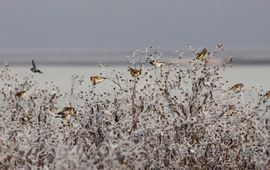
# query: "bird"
{"type": "Point", "coordinates": [237, 87]}
{"type": "Point", "coordinates": [67, 113]}
{"type": "Point", "coordinates": [202, 55]}
{"type": "Point", "coordinates": [21, 94]}
{"type": "Point", "coordinates": [157, 63]}
{"type": "Point", "coordinates": [267, 94]}
{"type": "Point", "coordinates": [135, 72]}
{"type": "Point", "coordinates": [34, 69]}
{"type": "Point", "coordinates": [97, 79]}
{"type": "Point", "coordinates": [219, 46]}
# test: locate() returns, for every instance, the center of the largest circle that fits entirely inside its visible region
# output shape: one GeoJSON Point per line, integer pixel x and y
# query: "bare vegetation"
{"type": "Point", "coordinates": [166, 117]}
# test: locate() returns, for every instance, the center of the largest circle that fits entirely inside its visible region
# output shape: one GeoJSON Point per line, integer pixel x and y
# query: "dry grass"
{"type": "Point", "coordinates": [168, 118]}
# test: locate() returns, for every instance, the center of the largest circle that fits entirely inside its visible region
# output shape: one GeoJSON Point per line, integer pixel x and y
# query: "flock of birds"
{"type": "Point", "coordinates": [69, 111]}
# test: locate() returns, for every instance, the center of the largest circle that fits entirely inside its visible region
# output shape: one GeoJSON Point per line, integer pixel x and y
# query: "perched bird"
{"type": "Point", "coordinates": [157, 63]}
{"type": "Point", "coordinates": [20, 94]}
{"type": "Point", "coordinates": [34, 68]}
{"type": "Point", "coordinates": [202, 55]}
{"type": "Point", "coordinates": [267, 94]}
{"type": "Point", "coordinates": [67, 113]}
{"type": "Point", "coordinates": [97, 79]}
{"type": "Point", "coordinates": [135, 72]}
{"type": "Point", "coordinates": [237, 87]}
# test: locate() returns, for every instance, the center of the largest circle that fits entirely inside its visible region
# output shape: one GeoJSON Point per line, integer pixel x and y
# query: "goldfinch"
{"type": "Point", "coordinates": [157, 63]}
{"type": "Point", "coordinates": [237, 87]}
{"type": "Point", "coordinates": [202, 55]}
{"type": "Point", "coordinates": [97, 79]}
{"type": "Point", "coordinates": [67, 113]}
{"type": "Point", "coordinates": [135, 72]}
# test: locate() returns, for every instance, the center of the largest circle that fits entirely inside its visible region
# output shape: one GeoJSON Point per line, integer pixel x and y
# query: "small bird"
{"type": "Point", "coordinates": [202, 55]}
{"type": "Point", "coordinates": [237, 87]}
{"type": "Point", "coordinates": [97, 79]}
{"type": "Point", "coordinates": [267, 94]}
{"type": "Point", "coordinates": [157, 63]}
{"type": "Point", "coordinates": [135, 72]}
{"type": "Point", "coordinates": [67, 113]}
{"type": "Point", "coordinates": [219, 46]}
{"type": "Point", "coordinates": [20, 94]}
{"type": "Point", "coordinates": [34, 68]}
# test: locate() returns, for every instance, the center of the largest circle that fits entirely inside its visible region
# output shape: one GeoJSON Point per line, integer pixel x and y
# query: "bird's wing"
{"type": "Point", "coordinates": [61, 114]}
{"type": "Point", "coordinates": [234, 86]}
{"type": "Point", "coordinates": [33, 64]}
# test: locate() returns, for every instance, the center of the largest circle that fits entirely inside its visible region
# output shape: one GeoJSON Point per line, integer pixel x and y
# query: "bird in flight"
{"type": "Point", "coordinates": [219, 45]}
{"type": "Point", "coordinates": [34, 69]}
{"type": "Point", "coordinates": [157, 63]}
{"type": "Point", "coordinates": [20, 94]}
{"type": "Point", "coordinates": [97, 79]}
{"type": "Point", "coordinates": [237, 87]}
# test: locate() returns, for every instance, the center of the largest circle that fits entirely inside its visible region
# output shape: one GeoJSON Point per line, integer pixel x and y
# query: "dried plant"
{"type": "Point", "coordinates": [169, 117]}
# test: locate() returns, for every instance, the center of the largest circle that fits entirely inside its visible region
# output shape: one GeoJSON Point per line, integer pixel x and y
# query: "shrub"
{"type": "Point", "coordinates": [169, 117]}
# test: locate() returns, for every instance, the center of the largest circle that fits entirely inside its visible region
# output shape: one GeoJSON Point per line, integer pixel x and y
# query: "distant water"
{"type": "Point", "coordinates": [87, 57]}
{"type": "Point", "coordinates": [61, 75]}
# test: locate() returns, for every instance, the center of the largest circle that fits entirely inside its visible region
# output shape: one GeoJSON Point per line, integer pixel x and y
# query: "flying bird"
{"type": "Point", "coordinates": [67, 113]}
{"type": "Point", "coordinates": [135, 72]}
{"type": "Point", "coordinates": [202, 55]}
{"type": "Point", "coordinates": [157, 63]}
{"type": "Point", "coordinates": [237, 87]}
{"type": "Point", "coordinates": [220, 46]}
{"type": "Point", "coordinates": [34, 68]}
{"type": "Point", "coordinates": [97, 79]}
{"type": "Point", "coordinates": [20, 94]}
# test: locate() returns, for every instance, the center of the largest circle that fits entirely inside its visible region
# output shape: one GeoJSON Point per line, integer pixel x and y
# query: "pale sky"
{"type": "Point", "coordinates": [133, 23]}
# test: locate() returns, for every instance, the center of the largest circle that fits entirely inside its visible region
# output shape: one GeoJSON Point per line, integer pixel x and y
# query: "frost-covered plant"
{"type": "Point", "coordinates": [170, 117]}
